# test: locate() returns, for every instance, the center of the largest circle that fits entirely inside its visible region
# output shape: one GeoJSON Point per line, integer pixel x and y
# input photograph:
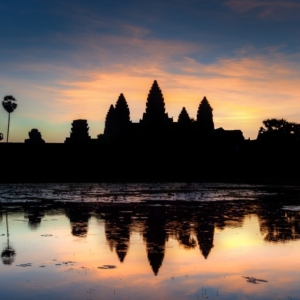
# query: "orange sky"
{"type": "Point", "coordinates": [242, 92]}
{"type": "Point", "coordinates": [242, 55]}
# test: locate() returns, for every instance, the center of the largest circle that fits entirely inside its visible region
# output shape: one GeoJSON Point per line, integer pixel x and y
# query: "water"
{"type": "Point", "coordinates": [131, 192]}
{"type": "Point", "coordinates": [149, 241]}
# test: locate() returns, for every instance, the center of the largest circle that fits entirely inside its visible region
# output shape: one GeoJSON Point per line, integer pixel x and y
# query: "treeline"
{"type": "Point", "coordinates": [279, 130]}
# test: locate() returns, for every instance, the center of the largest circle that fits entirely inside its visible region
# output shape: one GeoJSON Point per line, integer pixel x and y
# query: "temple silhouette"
{"type": "Point", "coordinates": [155, 124]}
{"type": "Point", "coordinates": [157, 148]}
{"type": "Point", "coordinates": [192, 224]}
{"type": "Point", "coordinates": [35, 137]}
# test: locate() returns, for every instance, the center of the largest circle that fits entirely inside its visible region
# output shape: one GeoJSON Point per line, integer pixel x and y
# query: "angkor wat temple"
{"type": "Point", "coordinates": [157, 149]}
{"type": "Point", "coordinates": [155, 124]}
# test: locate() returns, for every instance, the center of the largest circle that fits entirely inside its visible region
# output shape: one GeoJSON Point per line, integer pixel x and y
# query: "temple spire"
{"type": "Point", "coordinates": [110, 121]}
{"type": "Point", "coordinates": [118, 118]}
{"type": "Point", "coordinates": [155, 106]}
{"type": "Point", "coordinates": [155, 101]}
{"type": "Point", "coordinates": [184, 117]}
{"type": "Point", "coordinates": [205, 117]}
{"type": "Point", "coordinates": [122, 112]}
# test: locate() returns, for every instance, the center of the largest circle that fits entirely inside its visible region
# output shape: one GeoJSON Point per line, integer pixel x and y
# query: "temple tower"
{"type": "Point", "coordinates": [79, 132]}
{"type": "Point", "coordinates": [184, 118]}
{"type": "Point", "coordinates": [205, 117]}
{"type": "Point", "coordinates": [122, 112]}
{"type": "Point", "coordinates": [155, 118]}
{"type": "Point", "coordinates": [118, 118]}
{"type": "Point", "coordinates": [35, 137]}
{"type": "Point", "coordinates": [110, 121]}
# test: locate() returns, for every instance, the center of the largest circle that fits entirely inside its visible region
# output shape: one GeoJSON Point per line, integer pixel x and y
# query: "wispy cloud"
{"type": "Point", "coordinates": [243, 90]}
{"type": "Point", "coordinates": [266, 7]}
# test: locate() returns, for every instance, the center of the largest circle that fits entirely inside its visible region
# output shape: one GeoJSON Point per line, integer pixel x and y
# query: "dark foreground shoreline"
{"type": "Point", "coordinates": [251, 163]}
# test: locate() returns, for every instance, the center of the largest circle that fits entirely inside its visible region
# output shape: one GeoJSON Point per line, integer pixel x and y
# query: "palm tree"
{"type": "Point", "coordinates": [8, 253]}
{"type": "Point", "coordinates": [9, 105]}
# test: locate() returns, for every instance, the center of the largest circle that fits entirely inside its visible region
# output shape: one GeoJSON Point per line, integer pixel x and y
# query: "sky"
{"type": "Point", "coordinates": [67, 60]}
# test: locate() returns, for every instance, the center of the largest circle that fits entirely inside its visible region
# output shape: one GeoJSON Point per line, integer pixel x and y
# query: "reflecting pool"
{"type": "Point", "coordinates": [179, 245]}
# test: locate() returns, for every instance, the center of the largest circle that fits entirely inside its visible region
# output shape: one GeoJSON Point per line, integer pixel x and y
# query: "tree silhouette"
{"type": "Point", "coordinates": [205, 117]}
{"type": "Point", "coordinates": [8, 254]}
{"type": "Point", "coordinates": [9, 105]}
{"type": "Point", "coordinates": [280, 125]}
{"type": "Point", "coordinates": [278, 129]}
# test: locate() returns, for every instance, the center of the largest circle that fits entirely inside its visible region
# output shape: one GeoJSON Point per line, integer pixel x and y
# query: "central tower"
{"type": "Point", "coordinates": [155, 118]}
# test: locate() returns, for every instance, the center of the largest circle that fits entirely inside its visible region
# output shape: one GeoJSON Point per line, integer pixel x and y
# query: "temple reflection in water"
{"type": "Point", "coordinates": [193, 225]}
